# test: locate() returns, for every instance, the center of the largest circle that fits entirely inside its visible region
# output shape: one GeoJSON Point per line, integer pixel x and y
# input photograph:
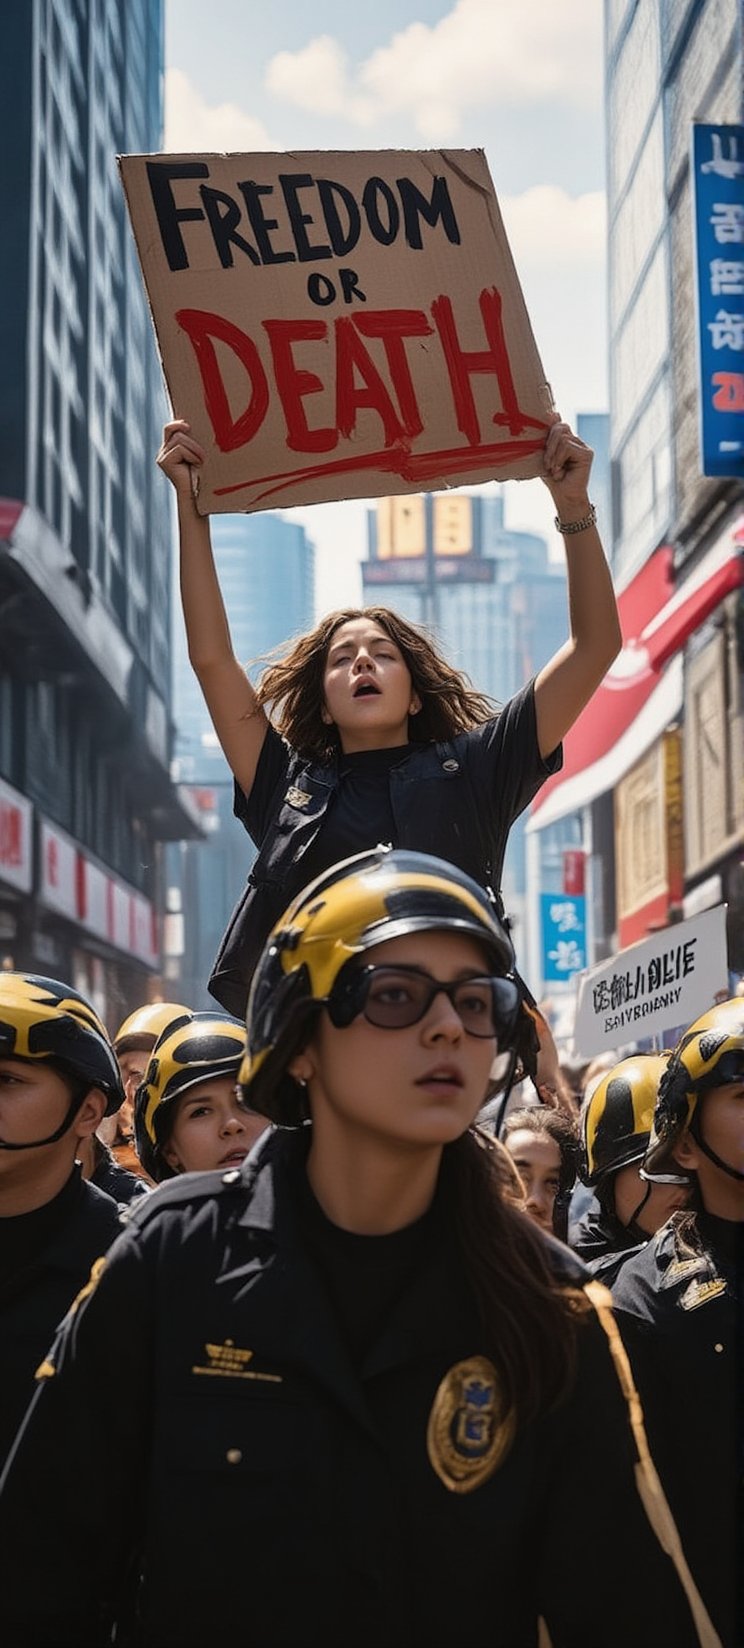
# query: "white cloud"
{"type": "Point", "coordinates": [549, 228]}
{"type": "Point", "coordinates": [316, 78]}
{"type": "Point", "coordinates": [193, 127]}
{"type": "Point", "coordinates": [514, 52]}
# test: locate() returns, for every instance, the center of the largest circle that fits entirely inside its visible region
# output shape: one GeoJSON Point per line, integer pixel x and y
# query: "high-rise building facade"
{"type": "Point", "coordinates": [85, 523]}
{"type": "Point", "coordinates": [656, 764]}
{"type": "Point", "coordinates": [266, 567]}
{"type": "Point", "coordinates": [491, 597]}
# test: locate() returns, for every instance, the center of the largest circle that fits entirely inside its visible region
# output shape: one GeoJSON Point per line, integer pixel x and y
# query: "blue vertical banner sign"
{"type": "Point", "coordinates": [563, 920]}
{"type": "Point", "coordinates": [717, 165]}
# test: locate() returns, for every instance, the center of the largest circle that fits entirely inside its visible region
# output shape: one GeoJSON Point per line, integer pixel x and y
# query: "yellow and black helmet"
{"type": "Point", "coordinates": [710, 1054]}
{"type": "Point", "coordinates": [196, 1047]}
{"type": "Point", "coordinates": [360, 902]}
{"type": "Point", "coordinates": [142, 1028]}
{"type": "Point", "coordinates": [44, 1018]}
{"type": "Point", "coordinates": [616, 1118]}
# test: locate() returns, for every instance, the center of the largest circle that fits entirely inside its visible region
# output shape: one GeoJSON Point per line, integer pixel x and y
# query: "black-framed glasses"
{"type": "Point", "coordinates": [393, 998]}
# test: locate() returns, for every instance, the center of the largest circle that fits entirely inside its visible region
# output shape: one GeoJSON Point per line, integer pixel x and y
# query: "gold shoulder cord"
{"type": "Point", "coordinates": [653, 1498]}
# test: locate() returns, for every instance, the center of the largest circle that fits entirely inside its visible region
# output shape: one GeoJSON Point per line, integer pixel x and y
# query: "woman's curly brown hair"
{"type": "Point", "coordinates": [293, 686]}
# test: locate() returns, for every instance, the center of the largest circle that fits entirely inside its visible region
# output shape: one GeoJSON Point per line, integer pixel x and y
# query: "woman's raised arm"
{"type": "Point", "coordinates": [567, 682]}
{"type": "Point", "coordinates": [238, 719]}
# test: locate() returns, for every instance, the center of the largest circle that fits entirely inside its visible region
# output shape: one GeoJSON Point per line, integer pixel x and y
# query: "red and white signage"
{"type": "Point", "coordinates": [78, 888]}
{"type": "Point", "coordinates": [16, 864]}
{"type": "Point", "coordinates": [58, 872]}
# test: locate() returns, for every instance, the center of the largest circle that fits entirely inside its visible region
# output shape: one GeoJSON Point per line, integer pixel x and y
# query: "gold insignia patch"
{"type": "Point", "coordinates": [684, 1267]}
{"type": "Point", "coordinates": [470, 1428]}
{"type": "Point", "coordinates": [297, 798]}
{"type": "Point", "coordinates": [226, 1361]}
{"type": "Point", "coordinates": [699, 1293]}
{"type": "Point", "coordinates": [96, 1273]}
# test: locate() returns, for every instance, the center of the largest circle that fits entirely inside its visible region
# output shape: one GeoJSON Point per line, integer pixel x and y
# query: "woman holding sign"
{"type": "Point", "coordinates": [372, 736]}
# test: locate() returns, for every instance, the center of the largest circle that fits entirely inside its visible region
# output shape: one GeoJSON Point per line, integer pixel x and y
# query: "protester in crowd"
{"type": "Point", "coordinates": [373, 737]}
{"type": "Point", "coordinates": [189, 1113]}
{"type": "Point", "coordinates": [573, 1071]}
{"type": "Point", "coordinates": [354, 1358]}
{"type": "Point", "coordinates": [133, 1043]}
{"type": "Point", "coordinates": [583, 1199]}
{"type": "Point", "coordinates": [544, 1144]}
{"type": "Point", "coordinates": [99, 1165]}
{"type": "Point", "coordinates": [595, 1070]}
{"type": "Point", "coordinates": [58, 1076]}
{"type": "Point", "coordinates": [615, 1130]}
{"type": "Point", "coordinates": [679, 1304]}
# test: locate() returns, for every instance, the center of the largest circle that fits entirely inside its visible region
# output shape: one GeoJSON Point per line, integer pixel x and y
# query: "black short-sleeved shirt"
{"type": "Point", "coordinates": [500, 760]}
{"type": "Point", "coordinates": [455, 800]}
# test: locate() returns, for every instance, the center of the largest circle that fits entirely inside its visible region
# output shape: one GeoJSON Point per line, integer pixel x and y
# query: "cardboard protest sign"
{"type": "Point", "coordinates": [664, 981]}
{"type": "Point", "coordinates": [338, 325]}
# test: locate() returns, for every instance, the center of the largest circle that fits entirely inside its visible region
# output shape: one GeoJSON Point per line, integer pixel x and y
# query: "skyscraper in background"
{"type": "Point", "coordinates": [85, 526]}
{"type": "Point", "coordinates": [652, 776]}
{"type": "Point", "coordinates": [492, 598]}
{"type": "Point", "coordinates": [266, 570]}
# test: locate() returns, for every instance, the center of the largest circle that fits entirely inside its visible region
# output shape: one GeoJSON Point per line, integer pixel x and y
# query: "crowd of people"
{"type": "Point", "coordinates": [307, 1335]}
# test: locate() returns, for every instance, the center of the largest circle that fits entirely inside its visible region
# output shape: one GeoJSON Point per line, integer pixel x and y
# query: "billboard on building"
{"type": "Point", "coordinates": [338, 325]}
{"type": "Point", "coordinates": [717, 166]}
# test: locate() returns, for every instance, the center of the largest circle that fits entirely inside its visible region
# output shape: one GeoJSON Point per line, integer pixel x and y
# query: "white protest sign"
{"type": "Point", "coordinates": [662, 982]}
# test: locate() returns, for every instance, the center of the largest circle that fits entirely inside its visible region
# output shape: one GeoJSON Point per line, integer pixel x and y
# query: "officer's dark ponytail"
{"type": "Point", "coordinates": [529, 1319]}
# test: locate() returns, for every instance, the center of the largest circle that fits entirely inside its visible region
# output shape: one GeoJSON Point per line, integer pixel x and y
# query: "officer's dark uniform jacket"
{"type": "Point", "coordinates": [35, 1293]}
{"type": "Point", "coordinates": [280, 1495]}
{"type": "Point", "coordinates": [603, 1244]}
{"type": "Point", "coordinates": [456, 800]}
{"type": "Point", "coordinates": [679, 1307]}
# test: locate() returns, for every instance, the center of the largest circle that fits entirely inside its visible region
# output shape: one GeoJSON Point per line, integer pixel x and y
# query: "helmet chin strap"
{"type": "Point", "coordinates": [631, 1224]}
{"type": "Point", "coordinates": [36, 1144]}
{"type": "Point", "coordinates": [697, 1134]}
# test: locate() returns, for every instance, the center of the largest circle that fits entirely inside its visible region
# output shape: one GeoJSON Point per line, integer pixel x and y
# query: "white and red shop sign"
{"type": "Point", "coordinates": [76, 887]}
{"type": "Point", "coordinates": [16, 857]}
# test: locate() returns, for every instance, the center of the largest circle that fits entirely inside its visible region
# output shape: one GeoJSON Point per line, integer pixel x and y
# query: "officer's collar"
{"type": "Point", "coordinates": [262, 1171]}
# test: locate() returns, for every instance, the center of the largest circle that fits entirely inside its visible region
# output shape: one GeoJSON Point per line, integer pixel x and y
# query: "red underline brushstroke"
{"type": "Point", "coordinates": [396, 460]}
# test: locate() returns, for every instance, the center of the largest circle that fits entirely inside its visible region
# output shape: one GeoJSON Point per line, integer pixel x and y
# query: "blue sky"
{"type": "Point", "coordinates": [521, 79]}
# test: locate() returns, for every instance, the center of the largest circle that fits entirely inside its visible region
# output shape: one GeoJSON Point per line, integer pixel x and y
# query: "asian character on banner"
{"type": "Point", "coordinates": [727, 331]}
{"type": "Point", "coordinates": [601, 999]}
{"type": "Point", "coordinates": [727, 277]}
{"type": "Point", "coordinates": [727, 221]}
{"type": "Point", "coordinates": [565, 917]}
{"type": "Point", "coordinates": [728, 166]}
{"type": "Point", "coordinates": [567, 957]}
{"type": "Point", "coordinates": [728, 391]}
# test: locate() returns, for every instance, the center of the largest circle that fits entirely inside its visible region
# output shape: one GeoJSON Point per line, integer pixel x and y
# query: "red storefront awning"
{"type": "Point", "coordinates": [642, 692]}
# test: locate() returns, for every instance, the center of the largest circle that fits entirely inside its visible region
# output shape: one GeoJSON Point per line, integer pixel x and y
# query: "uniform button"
{"type": "Point", "coordinates": [718, 1347]}
{"type": "Point", "coordinates": [233, 1456]}
{"type": "Point", "coordinates": [451, 766]}
{"type": "Point", "coordinates": [231, 1177]}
